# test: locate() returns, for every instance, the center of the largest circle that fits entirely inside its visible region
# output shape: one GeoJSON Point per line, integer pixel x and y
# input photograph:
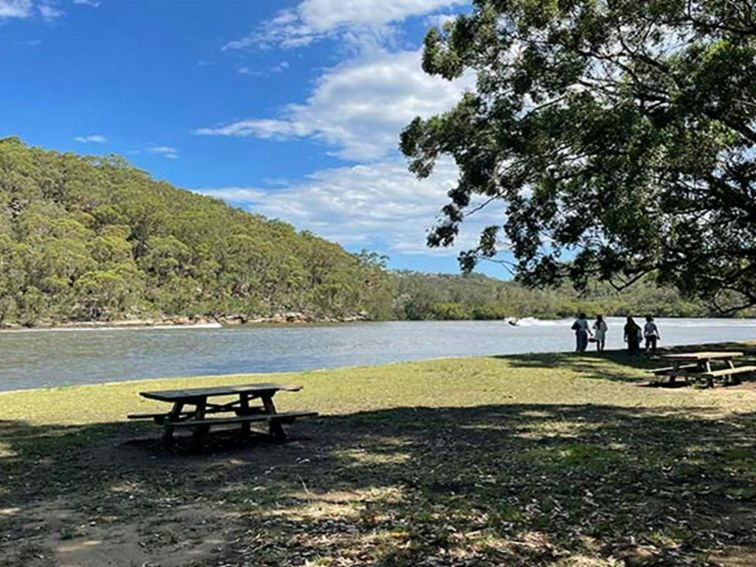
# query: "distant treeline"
{"type": "Point", "coordinates": [421, 296]}
{"type": "Point", "coordinates": [94, 239]}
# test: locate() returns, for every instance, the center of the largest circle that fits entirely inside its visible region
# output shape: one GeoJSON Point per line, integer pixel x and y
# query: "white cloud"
{"type": "Point", "coordinates": [381, 204]}
{"type": "Point", "coordinates": [50, 12]}
{"type": "Point", "coordinates": [164, 151]}
{"type": "Point", "coordinates": [31, 42]}
{"type": "Point", "coordinates": [91, 139]}
{"type": "Point", "coordinates": [91, 3]}
{"type": "Point", "coordinates": [313, 20]}
{"type": "Point", "coordinates": [23, 9]}
{"type": "Point", "coordinates": [16, 8]}
{"type": "Point", "coordinates": [262, 128]}
{"type": "Point", "coordinates": [277, 68]}
{"type": "Point", "coordinates": [359, 107]}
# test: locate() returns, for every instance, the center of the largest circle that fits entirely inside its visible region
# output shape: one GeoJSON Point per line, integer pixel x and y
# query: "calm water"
{"type": "Point", "coordinates": [32, 359]}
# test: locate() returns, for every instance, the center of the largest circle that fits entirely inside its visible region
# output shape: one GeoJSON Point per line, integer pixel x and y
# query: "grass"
{"type": "Point", "coordinates": [522, 460]}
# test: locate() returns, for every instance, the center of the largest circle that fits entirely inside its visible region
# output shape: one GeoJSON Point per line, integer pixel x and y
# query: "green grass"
{"type": "Point", "coordinates": [522, 460]}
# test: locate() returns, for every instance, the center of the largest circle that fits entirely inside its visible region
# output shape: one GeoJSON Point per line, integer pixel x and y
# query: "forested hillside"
{"type": "Point", "coordinates": [86, 238]}
{"type": "Point", "coordinates": [441, 296]}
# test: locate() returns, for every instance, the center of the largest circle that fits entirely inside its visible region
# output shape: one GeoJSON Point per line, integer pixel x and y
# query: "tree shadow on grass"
{"type": "Point", "coordinates": [490, 485]}
{"type": "Point", "coordinates": [623, 367]}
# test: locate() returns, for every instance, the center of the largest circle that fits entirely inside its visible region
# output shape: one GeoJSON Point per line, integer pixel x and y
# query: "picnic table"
{"type": "Point", "coordinates": [704, 366]}
{"type": "Point", "coordinates": [192, 408]}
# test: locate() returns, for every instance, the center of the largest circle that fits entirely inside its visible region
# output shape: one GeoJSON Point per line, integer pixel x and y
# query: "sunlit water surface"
{"type": "Point", "coordinates": [32, 359]}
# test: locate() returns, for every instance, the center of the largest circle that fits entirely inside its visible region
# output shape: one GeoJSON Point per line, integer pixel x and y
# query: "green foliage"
{"type": "Point", "coordinates": [441, 296]}
{"type": "Point", "coordinates": [94, 238]}
{"type": "Point", "coordinates": [620, 137]}
{"type": "Point", "coordinates": [449, 311]}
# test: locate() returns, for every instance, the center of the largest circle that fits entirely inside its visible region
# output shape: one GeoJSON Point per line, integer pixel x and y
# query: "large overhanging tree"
{"type": "Point", "coordinates": [620, 134]}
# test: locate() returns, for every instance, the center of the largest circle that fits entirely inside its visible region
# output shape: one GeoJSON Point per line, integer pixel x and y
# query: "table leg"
{"type": "Point", "coordinates": [276, 429]}
{"type": "Point", "coordinates": [707, 369]}
{"type": "Point", "coordinates": [200, 432]}
{"type": "Point", "coordinates": [732, 378]}
{"type": "Point", "coordinates": [244, 405]}
{"type": "Point", "coordinates": [168, 428]}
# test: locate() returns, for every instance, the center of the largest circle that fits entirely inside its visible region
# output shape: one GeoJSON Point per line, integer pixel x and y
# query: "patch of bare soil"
{"type": "Point", "coordinates": [66, 537]}
{"type": "Point", "coordinates": [147, 506]}
{"type": "Point", "coordinates": [526, 484]}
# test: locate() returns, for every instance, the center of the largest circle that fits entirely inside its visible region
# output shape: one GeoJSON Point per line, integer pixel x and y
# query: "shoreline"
{"type": "Point", "coordinates": [110, 326]}
{"type": "Point", "coordinates": [747, 346]}
{"type": "Point", "coordinates": [283, 319]}
{"type": "Point", "coordinates": [182, 322]}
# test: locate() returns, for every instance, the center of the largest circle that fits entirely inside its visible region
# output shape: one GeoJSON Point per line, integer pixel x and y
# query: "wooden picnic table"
{"type": "Point", "coordinates": [191, 408]}
{"type": "Point", "coordinates": [700, 365]}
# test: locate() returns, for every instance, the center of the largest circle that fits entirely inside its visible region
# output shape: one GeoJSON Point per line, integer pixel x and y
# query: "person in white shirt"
{"type": "Point", "coordinates": [600, 328]}
{"type": "Point", "coordinates": [651, 334]}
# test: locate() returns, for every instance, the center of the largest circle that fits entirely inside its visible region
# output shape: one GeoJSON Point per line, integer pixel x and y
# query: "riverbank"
{"type": "Point", "coordinates": [290, 318]}
{"type": "Point", "coordinates": [556, 459]}
{"type": "Point", "coordinates": [166, 322]}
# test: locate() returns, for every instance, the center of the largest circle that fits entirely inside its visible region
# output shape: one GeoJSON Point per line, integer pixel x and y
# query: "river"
{"type": "Point", "coordinates": [43, 358]}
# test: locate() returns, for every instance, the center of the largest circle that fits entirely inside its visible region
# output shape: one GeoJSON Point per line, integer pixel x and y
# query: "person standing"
{"type": "Point", "coordinates": [582, 330]}
{"type": "Point", "coordinates": [632, 336]}
{"type": "Point", "coordinates": [651, 334]}
{"type": "Point", "coordinates": [600, 328]}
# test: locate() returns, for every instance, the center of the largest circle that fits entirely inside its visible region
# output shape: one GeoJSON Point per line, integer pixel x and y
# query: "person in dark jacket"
{"type": "Point", "coordinates": [632, 336]}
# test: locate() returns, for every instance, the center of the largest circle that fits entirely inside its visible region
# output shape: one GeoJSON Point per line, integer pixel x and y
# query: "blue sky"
{"type": "Point", "coordinates": [287, 108]}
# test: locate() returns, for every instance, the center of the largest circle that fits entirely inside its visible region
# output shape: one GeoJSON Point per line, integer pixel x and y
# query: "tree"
{"type": "Point", "coordinates": [94, 238]}
{"type": "Point", "coordinates": [106, 294]}
{"type": "Point", "coordinates": [621, 136]}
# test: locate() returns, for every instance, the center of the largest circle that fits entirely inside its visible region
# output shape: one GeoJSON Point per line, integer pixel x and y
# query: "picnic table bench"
{"type": "Point", "coordinates": [236, 411]}
{"type": "Point", "coordinates": [698, 366]}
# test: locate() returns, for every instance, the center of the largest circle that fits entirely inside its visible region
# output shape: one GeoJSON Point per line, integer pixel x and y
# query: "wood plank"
{"type": "Point", "coordinates": [730, 371]}
{"type": "Point", "coordinates": [706, 355]}
{"type": "Point", "coordinates": [196, 393]}
{"type": "Point", "coordinates": [200, 431]}
{"type": "Point", "coordinates": [283, 417]}
{"type": "Point", "coordinates": [146, 415]}
{"type": "Point", "coordinates": [244, 409]}
{"type": "Point", "coordinates": [275, 428]}
{"type": "Point", "coordinates": [173, 416]}
{"type": "Point", "coordinates": [669, 369]}
{"type": "Point", "coordinates": [208, 410]}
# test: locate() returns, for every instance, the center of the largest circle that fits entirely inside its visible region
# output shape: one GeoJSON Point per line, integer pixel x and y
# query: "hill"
{"type": "Point", "coordinates": [91, 238]}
